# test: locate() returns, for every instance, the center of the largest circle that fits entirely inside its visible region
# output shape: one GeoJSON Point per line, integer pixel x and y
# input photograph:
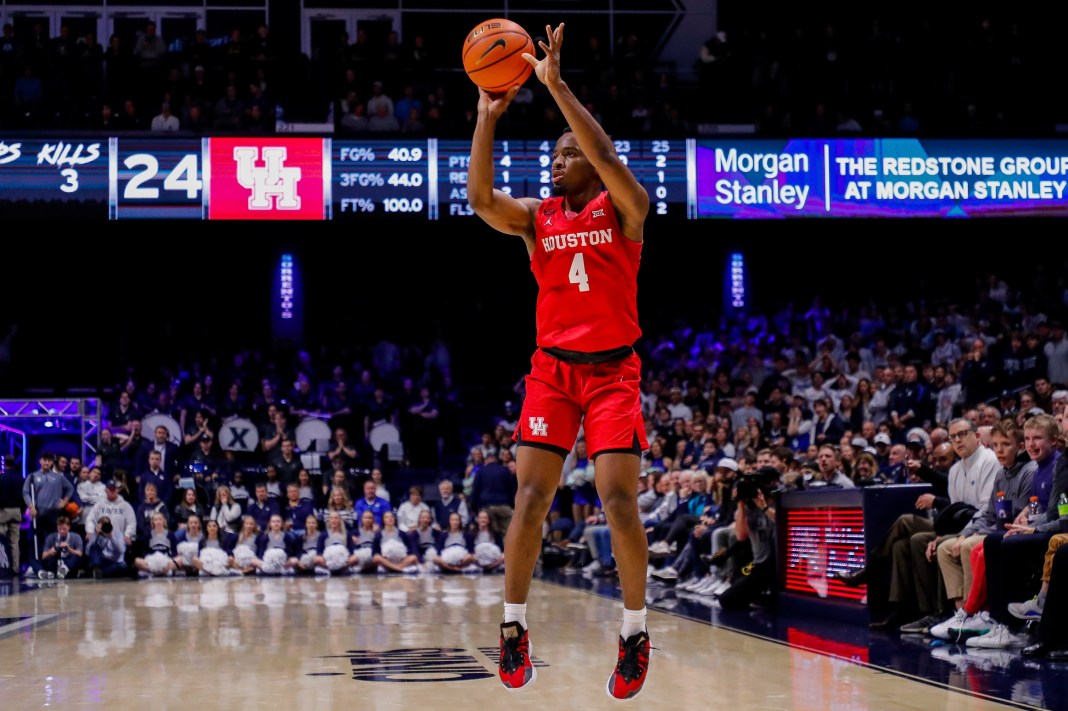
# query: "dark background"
{"type": "Point", "coordinates": [90, 299]}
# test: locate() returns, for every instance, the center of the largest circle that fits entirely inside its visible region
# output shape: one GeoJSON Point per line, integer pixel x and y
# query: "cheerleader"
{"type": "Point", "coordinates": [363, 543]}
{"type": "Point", "coordinates": [487, 545]}
{"type": "Point", "coordinates": [423, 538]}
{"type": "Point", "coordinates": [393, 550]}
{"type": "Point", "coordinates": [309, 548]}
{"type": "Point", "coordinates": [455, 546]}
{"type": "Point", "coordinates": [161, 547]}
{"type": "Point", "coordinates": [336, 554]}
{"type": "Point", "coordinates": [245, 558]}
{"type": "Point", "coordinates": [189, 544]}
{"type": "Point", "coordinates": [272, 548]}
{"type": "Point", "coordinates": [214, 557]}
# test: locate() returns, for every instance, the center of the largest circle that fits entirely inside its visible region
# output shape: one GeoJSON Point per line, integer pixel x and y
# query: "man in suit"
{"type": "Point", "coordinates": [168, 450]}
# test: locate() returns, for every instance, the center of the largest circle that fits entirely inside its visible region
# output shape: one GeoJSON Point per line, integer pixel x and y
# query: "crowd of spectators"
{"type": "Point", "coordinates": [826, 72]}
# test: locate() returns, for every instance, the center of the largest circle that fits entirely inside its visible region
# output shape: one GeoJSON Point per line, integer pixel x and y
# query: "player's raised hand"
{"type": "Point", "coordinates": [495, 104]}
{"type": "Point", "coordinates": [547, 69]}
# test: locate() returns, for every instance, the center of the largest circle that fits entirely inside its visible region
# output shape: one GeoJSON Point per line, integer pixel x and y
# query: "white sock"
{"type": "Point", "coordinates": [516, 612]}
{"type": "Point", "coordinates": [633, 622]}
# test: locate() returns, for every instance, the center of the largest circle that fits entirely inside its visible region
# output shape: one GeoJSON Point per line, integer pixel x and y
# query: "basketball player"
{"type": "Point", "coordinates": [585, 245]}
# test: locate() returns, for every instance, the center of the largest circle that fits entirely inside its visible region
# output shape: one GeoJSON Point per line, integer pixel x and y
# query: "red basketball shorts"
{"type": "Point", "coordinates": [602, 397]}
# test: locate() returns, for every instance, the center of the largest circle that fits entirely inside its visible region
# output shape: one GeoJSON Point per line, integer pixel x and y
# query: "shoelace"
{"type": "Point", "coordinates": [512, 656]}
{"type": "Point", "coordinates": [633, 662]}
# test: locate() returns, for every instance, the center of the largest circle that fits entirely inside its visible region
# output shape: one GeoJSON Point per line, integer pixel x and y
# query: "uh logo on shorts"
{"type": "Point", "coordinates": [538, 427]}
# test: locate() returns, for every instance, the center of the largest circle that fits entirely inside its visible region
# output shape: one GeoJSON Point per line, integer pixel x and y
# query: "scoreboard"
{"type": "Point", "coordinates": [299, 178]}
{"type": "Point", "coordinates": [325, 178]}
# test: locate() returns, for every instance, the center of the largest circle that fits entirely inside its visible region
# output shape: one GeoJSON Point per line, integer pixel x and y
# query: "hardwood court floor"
{"type": "Point", "coordinates": [399, 642]}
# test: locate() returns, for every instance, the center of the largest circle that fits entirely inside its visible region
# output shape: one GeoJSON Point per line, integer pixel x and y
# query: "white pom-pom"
{"type": "Point", "coordinates": [157, 562]}
{"type": "Point", "coordinates": [274, 561]}
{"type": "Point", "coordinates": [186, 551]}
{"type": "Point", "coordinates": [214, 561]}
{"type": "Point", "coordinates": [336, 556]}
{"type": "Point", "coordinates": [454, 555]}
{"type": "Point", "coordinates": [487, 553]}
{"type": "Point", "coordinates": [363, 556]}
{"type": "Point", "coordinates": [244, 556]}
{"type": "Point", "coordinates": [306, 560]}
{"type": "Point", "coordinates": [394, 551]}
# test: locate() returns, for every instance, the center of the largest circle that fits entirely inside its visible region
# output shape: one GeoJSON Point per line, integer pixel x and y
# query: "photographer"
{"type": "Point", "coordinates": [63, 551]}
{"type": "Point", "coordinates": [106, 550]}
{"type": "Point", "coordinates": [754, 522]}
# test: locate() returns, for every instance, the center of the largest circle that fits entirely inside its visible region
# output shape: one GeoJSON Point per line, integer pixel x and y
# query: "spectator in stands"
{"type": "Point", "coordinates": [277, 429]}
{"type": "Point", "coordinates": [154, 474]}
{"type": "Point", "coordinates": [296, 510]}
{"type": "Point", "coordinates": [196, 427]}
{"type": "Point", "coordinates": [187, 506]}
{"type": "Point", "coordinates": [305, 488]}
{"type": "Point", "coordinates": [169, 451]}
{"type": "Point", "coordinates": [165, 120]}
{"type": "Point", "coordinates": [121, 413]}
{"type": "Point", "coordinates": [371, 502]}
{"type": "Point", "coordinates": [494, 490]}
{"type": "Point", "coordinates": [905, 547]}
{"type": "Point", "coordinates": [380, 488]}
{"type": "Point", "coordinates": [342, 447]}
{"type": "Point", "coordinates": [226, 510]}
{"type": "Point", "coordinates": [409, 511]}
{"type": "Point", "coordinates": [286, 461]}
{"type": "Point", "coordinates": [1052, 629]}
{"type": "Point", "coordinates": [448, 504]}
{"type": "Point", "coordinates": [338, 479]}
{"type": "Point", "coordinates": [92, 489]}
{"type": "Point", "coordinates": [228, 111]}
{"type": "Point", "coordinates": [1013, 481]}
{"type": "Point", "coordinates": [338, 502]}
{"type": "Point", "coordinates": [263, 507]}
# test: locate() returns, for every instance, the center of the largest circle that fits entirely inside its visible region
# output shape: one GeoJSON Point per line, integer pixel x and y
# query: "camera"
{"type": "Point", "coordinates": [765, 479]}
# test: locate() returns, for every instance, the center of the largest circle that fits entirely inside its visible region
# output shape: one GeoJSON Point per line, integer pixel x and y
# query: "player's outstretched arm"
{"type": "Point", "coordinates": [629, 197]}
{"type": "Point", "coordinates": [500, 210]}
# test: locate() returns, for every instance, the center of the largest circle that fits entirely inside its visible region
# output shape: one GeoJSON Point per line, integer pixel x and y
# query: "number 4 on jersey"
{"type": "Point", "coordinates": [578, 275]}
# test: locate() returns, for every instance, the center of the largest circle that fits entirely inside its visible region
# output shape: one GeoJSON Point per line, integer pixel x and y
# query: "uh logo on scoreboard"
{"type": "Point", "coordinates": [266, 179]}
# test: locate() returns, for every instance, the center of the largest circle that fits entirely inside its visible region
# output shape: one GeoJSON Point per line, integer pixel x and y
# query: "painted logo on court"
{"type": "Point", "coordinates": [420, 664]}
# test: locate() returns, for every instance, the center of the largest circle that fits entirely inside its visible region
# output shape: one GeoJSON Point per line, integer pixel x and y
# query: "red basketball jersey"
{"type": "Point", "coordinates": [587, 274]}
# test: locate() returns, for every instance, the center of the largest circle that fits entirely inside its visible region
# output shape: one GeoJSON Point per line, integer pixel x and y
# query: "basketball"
{"type": "Point", "coordinates": [493, 55]}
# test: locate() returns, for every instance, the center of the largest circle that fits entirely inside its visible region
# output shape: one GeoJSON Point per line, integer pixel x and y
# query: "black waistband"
{"type": "Point", "coordinates": [594, 358]}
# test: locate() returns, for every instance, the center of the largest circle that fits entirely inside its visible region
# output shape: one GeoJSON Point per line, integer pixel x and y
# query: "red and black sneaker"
{"type": "Point", "coordinates": [632, 668]}
{"type": "Point", "coordinates": [515, 668]}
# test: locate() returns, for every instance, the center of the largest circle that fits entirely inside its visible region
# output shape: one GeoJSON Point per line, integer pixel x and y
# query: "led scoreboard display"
{"type": "Point", "coordinates": [292, 177]}
{"type": "Point", "coordinates": [380, 178]}
{"type": "Point", "coordinates": [524, 169]}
